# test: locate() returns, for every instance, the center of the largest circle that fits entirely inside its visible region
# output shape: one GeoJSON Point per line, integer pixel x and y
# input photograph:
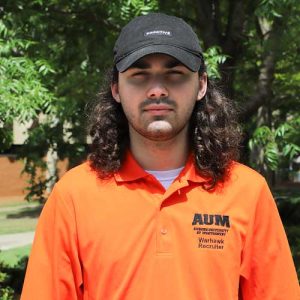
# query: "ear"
{"type": "Point", "coordinates": [115, 91]}
{"type": "Point", "coordinates": [202, 86]}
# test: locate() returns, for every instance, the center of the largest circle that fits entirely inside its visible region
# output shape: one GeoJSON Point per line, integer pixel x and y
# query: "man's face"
{"type": "Point", "coordinates": [158, 95]}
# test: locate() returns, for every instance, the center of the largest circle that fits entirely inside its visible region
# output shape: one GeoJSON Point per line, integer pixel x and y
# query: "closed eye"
{"type": "Point", "coordinates": [175, 72]}
{"type": "Point", "coordinates": [139, 73]}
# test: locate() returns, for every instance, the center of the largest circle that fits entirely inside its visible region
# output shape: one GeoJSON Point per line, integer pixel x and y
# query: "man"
{"type": "Point", "coordinates": [161, 210]}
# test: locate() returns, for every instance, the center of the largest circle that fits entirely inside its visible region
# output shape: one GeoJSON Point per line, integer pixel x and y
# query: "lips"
{"type": "Point", "coordinates": [158, 108]}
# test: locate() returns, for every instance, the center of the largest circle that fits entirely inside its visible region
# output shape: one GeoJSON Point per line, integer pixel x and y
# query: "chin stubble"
{"type": "Point", "coordinates": [159, 126]}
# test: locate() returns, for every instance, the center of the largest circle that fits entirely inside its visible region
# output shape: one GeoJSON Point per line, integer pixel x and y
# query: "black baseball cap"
{"type": "Point", "coordinates": [157, 33]}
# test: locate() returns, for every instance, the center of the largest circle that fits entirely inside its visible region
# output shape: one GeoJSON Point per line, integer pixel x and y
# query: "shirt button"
{"type": "Point", "coordinates": [163, 231]}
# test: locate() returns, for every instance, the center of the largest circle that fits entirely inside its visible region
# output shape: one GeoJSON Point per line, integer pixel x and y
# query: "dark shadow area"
{"type": "Point", "coordinates": [288, 203]}
{"type": "Point", "coordinates": [29, 212]}
{"type": "Point", "coordinates": [289, 212]}
{"type": "Point", "coordinates": [13, 276]}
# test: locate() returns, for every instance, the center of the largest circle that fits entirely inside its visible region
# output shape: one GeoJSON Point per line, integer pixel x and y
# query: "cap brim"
{"type": "Point", "coordinates": [190, 60]}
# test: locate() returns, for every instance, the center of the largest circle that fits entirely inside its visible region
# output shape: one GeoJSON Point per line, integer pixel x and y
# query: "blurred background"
{"type": "Point", "coordinates": [53, 57]}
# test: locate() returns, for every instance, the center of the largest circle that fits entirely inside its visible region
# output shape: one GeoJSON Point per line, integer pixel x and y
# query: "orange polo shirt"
{"type": "Point", "coordinates": [127, 238]}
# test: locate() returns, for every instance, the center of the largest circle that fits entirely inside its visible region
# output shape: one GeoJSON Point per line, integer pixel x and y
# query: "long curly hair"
{"type": "Point", "coordinates": [214, 133]}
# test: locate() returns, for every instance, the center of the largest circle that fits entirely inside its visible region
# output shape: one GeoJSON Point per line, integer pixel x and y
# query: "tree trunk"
{"type": "Point", "coordinates": [51, 175]}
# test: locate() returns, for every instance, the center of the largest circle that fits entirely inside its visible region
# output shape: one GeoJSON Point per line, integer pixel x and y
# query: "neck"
{"type": "Point", "coordinates": [160, 155]}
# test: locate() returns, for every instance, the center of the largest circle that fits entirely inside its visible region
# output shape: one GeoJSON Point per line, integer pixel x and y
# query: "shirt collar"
{"type": "Point", "coordinates": [131, 170]}
{"type": "Point", "coordinates": [190, 173]}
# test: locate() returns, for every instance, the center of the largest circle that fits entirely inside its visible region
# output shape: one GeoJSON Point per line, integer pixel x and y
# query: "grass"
{"type": "Point", "coordinates": [12, 256]}
{"type": "Point", "coordinates": [19, 217]}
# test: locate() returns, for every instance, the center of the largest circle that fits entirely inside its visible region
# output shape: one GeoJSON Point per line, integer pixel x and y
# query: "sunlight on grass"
{"type": "Point", "coordinates": [19, 218]}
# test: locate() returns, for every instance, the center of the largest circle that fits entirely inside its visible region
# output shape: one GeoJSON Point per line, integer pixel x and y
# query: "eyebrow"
{"type": "Point", "coordinates": [143, 64]}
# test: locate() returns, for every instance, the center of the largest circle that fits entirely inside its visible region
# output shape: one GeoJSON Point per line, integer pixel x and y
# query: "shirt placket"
{"type": "Point", "coordinates": [164, 229]}
{"type": "Point", "coordinates": [164, 243]}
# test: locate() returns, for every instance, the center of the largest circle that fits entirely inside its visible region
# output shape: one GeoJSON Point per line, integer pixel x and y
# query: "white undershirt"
{"type": "Point", "coordinates": [165, 177]}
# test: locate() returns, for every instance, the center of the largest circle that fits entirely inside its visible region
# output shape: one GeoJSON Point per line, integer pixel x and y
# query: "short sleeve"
{"type": "Point", "coordinates": [267, 269]}
{"type": "Point", "coordinates": [54, 268]}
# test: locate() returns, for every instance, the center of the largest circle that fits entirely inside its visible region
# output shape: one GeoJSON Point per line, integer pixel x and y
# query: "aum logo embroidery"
{"type": "Point", "coordinates": [218, 220]}
{"type": "Point", "coordinates": [211, 230]}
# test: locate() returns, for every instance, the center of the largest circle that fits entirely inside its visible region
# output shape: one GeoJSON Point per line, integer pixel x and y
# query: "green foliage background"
{"type": "Point", "coordinates": [54, 54]}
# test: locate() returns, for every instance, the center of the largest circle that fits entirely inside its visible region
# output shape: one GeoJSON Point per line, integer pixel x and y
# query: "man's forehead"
{"type": "Point", "coordinates": [164, 60]}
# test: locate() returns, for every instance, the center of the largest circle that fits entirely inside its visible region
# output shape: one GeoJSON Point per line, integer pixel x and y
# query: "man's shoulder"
{"type": "Point", "coordinates": [242, 173]}
{"type": "Point", "coordinates": [81, 171]}
{"type": "Point", "coordinates": [81, 176]}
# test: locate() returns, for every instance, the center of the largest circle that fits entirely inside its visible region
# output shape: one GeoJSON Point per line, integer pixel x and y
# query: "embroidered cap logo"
{"type": "Point", "coordinates": [158, 32]}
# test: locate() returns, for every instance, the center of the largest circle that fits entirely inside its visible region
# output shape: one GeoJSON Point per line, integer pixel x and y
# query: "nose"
{"type": "Point", "coordinates": [157, 90]}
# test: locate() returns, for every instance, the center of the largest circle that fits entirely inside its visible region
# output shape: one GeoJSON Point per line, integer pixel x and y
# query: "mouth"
{"type": "Point", "coordinates": [158, 109]}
